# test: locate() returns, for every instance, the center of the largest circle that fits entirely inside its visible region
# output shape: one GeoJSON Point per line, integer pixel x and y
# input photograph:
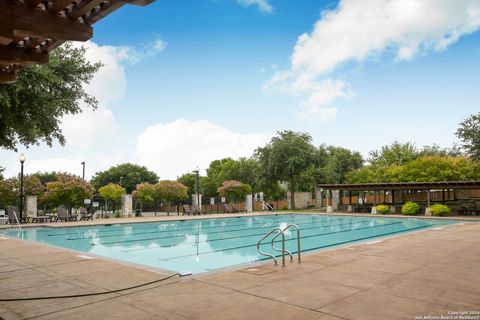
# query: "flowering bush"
{"type": "Point", "coordinates": [234, 190]}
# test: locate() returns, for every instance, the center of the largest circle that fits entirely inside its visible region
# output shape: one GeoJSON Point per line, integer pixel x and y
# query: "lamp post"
{"type": "Point", "coordinates": [83, 171]}
{"type": "Point", "coordinates": [121, 178]}
{"type": "Point", "coordinates": [197, 194]}
{"type": "Point", "coordinates": [22, 160]}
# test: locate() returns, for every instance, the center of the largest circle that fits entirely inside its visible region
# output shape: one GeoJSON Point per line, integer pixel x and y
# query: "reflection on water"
{"type": "Point", "coordinates": [204, 245]}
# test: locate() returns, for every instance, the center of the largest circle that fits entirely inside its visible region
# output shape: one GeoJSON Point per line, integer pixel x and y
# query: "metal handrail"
{"type": "Point", "coordinates": [283, 250]}
{"type": "Point", "coordinates": [280, 231]}
{"type": "Point", "coordinates": [280, 250]}
{"type": "Point", "coordinates": [292, 225]}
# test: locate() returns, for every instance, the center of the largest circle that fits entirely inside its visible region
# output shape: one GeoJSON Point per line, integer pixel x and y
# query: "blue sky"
{"type": "Point", "coordinates": [190, 81]}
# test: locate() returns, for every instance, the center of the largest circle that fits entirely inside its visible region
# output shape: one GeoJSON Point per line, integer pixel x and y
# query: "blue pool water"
{"type": "Point", "coordinates": [208, 244]}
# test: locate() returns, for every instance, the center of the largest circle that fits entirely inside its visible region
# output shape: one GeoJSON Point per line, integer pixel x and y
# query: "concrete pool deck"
{"type": "Point", "coordinates": [428, 273]}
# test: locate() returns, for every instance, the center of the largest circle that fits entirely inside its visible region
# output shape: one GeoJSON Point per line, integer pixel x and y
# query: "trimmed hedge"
{"type": "Point", "coordinates": [410, 208]}
{"type": "Point", "coordinates": [439, 210]}
{"type": "Point", "coordinates": [383, 209]}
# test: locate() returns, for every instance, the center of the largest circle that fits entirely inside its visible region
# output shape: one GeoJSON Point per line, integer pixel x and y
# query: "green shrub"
{"type": "Point", "coordinates": [410, 208]}
{"type": "Point", "coordinates": [439, 210]}
{"type": "Point", "coordinates": [383, 209]}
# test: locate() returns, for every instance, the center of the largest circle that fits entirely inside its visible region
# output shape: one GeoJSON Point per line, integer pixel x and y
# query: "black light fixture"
{"type": "Point", "coordinates": [22, 160]}
{"type": "Point", "coordinates": [83, 171]}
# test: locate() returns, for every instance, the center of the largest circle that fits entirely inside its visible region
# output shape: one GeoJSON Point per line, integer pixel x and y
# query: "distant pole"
{"type": "Point", "coordinates": [121, 178]}
{"type": "Point", "coordinates": [83, 171]}
{"type": "Point", "coordinates": [22, 160]}
{"type": "Point", "coordinates": [197, 194]}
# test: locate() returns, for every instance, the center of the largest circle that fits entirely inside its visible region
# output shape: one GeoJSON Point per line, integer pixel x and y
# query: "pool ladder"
{"type": "Point", "coordinates": [280, 232]}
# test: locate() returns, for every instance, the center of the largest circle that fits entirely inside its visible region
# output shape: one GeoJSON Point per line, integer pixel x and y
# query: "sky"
{"type": "Point", "coordinates": [188, 82]}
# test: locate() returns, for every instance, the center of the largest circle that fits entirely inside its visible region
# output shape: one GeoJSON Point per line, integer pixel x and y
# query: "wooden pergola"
{"type": "Point", "coordinates": [31, 29]}
{"type": "Point", "coordinates": [394, 188]}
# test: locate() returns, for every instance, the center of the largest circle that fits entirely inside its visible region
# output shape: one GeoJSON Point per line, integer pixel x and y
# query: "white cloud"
{"type": "Point", "coordinates": [177, 147]}
{"type": "Point", "coordinates": [359, 30]}
{"type": "Point", "coordinates": [108, 86]}
{"type": "Point", "coordinates": [263, 5]}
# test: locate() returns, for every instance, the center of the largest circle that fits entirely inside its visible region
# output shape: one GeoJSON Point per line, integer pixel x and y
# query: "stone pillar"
{"type": "Point", "coordinates": [31, 206]}
{"type": "Point", "coordinates": [335, 199]}
{"type": "Point", "coordinates": [194, 199]}
{"type": "Point", "coordinates": [249, 203]}
{"type": "Point", "coordinates": [127, 205]}
{"type": "Point", "coordinates": [318, 197]}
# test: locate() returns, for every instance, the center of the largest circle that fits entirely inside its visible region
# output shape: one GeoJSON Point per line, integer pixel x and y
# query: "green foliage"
{"type": "Point", "coordinates": [188, 180]}
{"type": "Point", "coordinates": [145, 194]}
{"type": "Point", "coordinates": [234, 190]}
{"type": "Point", "coordinates": [170, 191]}
{"type": "Point", "coordinates": [395, 154]}
{"type": "Point", "coordinates": [10, 189]}
{"type": "Point", "coordinates": [32, 108]}
{"type": "Point", "coordinates": [440, 210]}
{"type": "Point", "coordinates": [2, 169]}
{"type": "Point", "coordinates": [111, 193]}
{"type": "Point", "coordinates": [410, 208]}
{"type": "Point", "coordinates": [68, 190]}
{"type": "Point", "coordinates": [129, 174]}
{"type": "Point", "coordinates": [422, 169]}
{"type": "Point", "coordinates": [383, 209]}
{"type": "Point", "coordinates": [469, 135]}
{"type": "Point", "coordinates": [285, 157]}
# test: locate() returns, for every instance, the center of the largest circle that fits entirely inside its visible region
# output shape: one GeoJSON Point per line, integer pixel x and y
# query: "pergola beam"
{"type": "Point", "coordinates": [21, 20]}
{"type": "Point", "coordinates": [7, 77]}
{"type": "Point", "coordinates": [9, 55]}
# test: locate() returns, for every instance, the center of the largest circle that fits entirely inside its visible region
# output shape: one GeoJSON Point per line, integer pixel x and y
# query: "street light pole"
{"type": "Point", "coordinates": [197, 193]}
{"type": "Point", "coordinates": [83, 171]}
{"type": "Point", "coordinates": [22, 160]}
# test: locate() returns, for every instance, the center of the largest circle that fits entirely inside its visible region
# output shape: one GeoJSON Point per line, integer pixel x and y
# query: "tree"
{"type": "Point", "coordinates": [188, 180]}
{"type": "Point", "coordinates": [171, 191]}
{"type": "Point", "coordinates": [234, 190]}
{"type": "Point", "coordinates": [285, 157]}
{"type": "Point", "coordinates": [68, 190]}
{"type": "Point", "coordinates": [128, 175]}
{"type": "Point", "coordinates": [1, 172]}
{"type": "Point", "coordinates": [469, 135]}
{"type": "Point", "coordinates": [111, 193]}
{"type": "Point", "coordinates": [10, 189]}
{"type": "Point", "coordinates": [145, 194]}
{"type": "Point", "coordinates": [33, 106]}
{"type": "Point", "coordinates": [396, 153]}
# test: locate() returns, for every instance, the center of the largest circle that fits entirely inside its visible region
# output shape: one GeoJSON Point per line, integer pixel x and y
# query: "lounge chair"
{"type": "Point", "coordinates": [227, 208]}
{"type": "Point", "coordinates": [186, 210]}
{"type": "Point", "coordinates": [85, 214]}
{"type": "Point", "coordinates": [197, 210]}
{"type": "Point", "coordinates": [13, 215]}
{"type": "Point", "coordinates": [235, 208]}
{"type": "Point", "coordinates": [62, 215]}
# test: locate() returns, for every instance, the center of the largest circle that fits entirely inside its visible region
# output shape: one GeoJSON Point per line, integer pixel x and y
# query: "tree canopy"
{"type": "Point", "coordinates": [31, 109]}
{"type": "Point", "coordinates": [234, 190]}
{"type": "Point", "coordinates": [68, 190]}
{"type": "Point", "coordinates": [127, 175]}
{"type": "Point", "coordinates": [285, 157]}
{"type": "Point", "coordinates": [112, 193]}
{"type": "Point", "coordinates": [469, 135]}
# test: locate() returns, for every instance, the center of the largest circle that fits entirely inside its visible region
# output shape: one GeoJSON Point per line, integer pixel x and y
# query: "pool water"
{"type": "Point", "coordinates": [209, 244]}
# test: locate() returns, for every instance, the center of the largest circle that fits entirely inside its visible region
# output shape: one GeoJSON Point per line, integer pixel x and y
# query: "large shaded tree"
{"type": "Point", "coordinates": [128, 175]}
{"type": "Point", "coordinates": [31, 109]}
{"type": "Point", "coordinates": [285, 157]}
{"type": "Point", "coordinates": [469, 135]}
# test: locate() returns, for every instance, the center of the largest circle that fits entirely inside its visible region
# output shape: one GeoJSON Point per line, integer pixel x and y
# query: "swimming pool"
{"type": "Point", "coordinates": [209, 244]}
